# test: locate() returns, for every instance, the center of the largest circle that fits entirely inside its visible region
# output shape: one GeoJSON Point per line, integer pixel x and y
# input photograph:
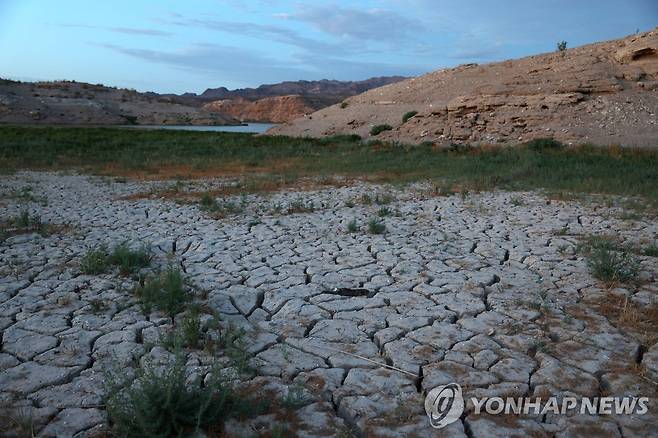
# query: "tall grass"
{"type": "Point", "coordinates": [540, 164]}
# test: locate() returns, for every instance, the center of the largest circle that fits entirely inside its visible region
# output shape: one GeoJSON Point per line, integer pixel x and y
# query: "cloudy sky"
{"type": "Point", "coordinates": [178, 46]}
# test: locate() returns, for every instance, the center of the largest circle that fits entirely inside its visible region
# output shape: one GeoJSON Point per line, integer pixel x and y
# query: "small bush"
{"type": "Point", "coordinates": [187, 335]}
{"type": "Point", "coordinates": [384, 199]}
{"type": "Point", "coordinates": [161, 402]}
{"type": "Point", "coordinates": [610, 262]}
{"type": "Point", "coordinates": [352, 226]}
{"type": "Point", "coordinates": [561, 46]}
{"type": "Point", "coordinates": [95, 261]}
{"type": "Point", "coordinates": [378, 129]}
{"type": "Point", "coordinates": [165, 292]}
{"type": "Point", "coordinates": [384, 211]}
{"type": "Point", "coordinates": [376, 226]}
{"type": "Point", "coordinates": [344, 105]}
{"type": "Point", "coordinates": [208, 202]}
{"type": "Point", "coordinates": [651, 250]}
{"type": "Point", "coordinates": [408, 115]}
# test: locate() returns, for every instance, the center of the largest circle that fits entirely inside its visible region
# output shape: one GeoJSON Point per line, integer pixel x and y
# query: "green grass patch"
{"type": "Point", "coordinates": [542, 164]}
{"type": "Point", "coordinates": [165, 292]}
{"type": "Point", "coordinates": [376, 226]}
{"type": "Point", "coordinates": [100, 260]}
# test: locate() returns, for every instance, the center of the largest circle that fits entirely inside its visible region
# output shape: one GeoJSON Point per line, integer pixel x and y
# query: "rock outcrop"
{"type": "Point", "coordinates": [604, 93]}
{"type": "Point", "coordinates": [279, 109]}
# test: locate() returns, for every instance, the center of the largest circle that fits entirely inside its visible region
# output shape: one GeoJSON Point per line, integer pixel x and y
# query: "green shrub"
{"type": "Point", "coordinates": [352, 226]}
{"type": "Point", "coordinates": [344, 105]}
{"type": "Point", "coordinates": [378, 129]}
{"type": "Point", "coordinates": [651, 250]}
{"type": "Point", "coordinates": [161, 402]}
{"type": "Point", "coordinates": [384, 211]}
{"type": "Point", "coordinates": [544, 144]}
{"type": "Point", "coordinates": [610, 262]}
{"type": "Point", "coordinates": [408, 115]}
{"type": "Point", "coordinates": [208, 202]}
{"type": "Point", "coordinates": [376, 226]}
{"type": "Point", "coordinates": [95, 261]}
{"type": "Point", "coordinates": [165, 292]}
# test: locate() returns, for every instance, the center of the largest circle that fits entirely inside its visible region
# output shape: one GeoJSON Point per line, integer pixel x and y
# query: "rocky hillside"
{"type": "Point", "coordinates": [605, 93]}
{"type": "Point", "coordinates": [278, 109]}
{"type": "Point", "coordinates": [80, 103]}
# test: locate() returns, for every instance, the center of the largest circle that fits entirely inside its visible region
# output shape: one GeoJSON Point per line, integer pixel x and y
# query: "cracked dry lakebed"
{"type": "Point", "coordinates": [342, 306]}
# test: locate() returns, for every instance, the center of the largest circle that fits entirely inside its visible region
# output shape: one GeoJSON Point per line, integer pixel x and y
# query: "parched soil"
{"type": "Point", "coordinates": [486, 290]}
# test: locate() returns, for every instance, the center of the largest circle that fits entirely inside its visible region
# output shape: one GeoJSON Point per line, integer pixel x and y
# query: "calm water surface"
{"type": "Point", "coordinates": [257, 128]}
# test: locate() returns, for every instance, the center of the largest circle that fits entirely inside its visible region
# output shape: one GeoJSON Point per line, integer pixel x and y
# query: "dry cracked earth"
{"type": "Point", "coordinates": [485, 290]}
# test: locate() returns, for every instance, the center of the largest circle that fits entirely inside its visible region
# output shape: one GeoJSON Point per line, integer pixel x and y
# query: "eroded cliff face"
{"type": "Point", "coordinates": [279, 109]}
{"type": "Point", "coordinates": [605, 93]}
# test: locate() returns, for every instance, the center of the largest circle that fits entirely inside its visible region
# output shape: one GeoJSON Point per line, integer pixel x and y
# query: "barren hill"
{"type": "Point", "coordinates": [80, 103]}
{"type": "Point", "coordinates": [279, 109]}
{"type": "Point", "coordinates": [605, 93]}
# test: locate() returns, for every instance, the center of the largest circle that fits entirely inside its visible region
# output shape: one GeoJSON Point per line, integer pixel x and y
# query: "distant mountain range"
{"type": "Point", "coordinates": [330, 90]}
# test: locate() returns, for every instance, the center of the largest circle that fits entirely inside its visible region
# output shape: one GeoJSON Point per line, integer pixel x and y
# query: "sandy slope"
{"type": "Point", "coordinates": [604, 93]}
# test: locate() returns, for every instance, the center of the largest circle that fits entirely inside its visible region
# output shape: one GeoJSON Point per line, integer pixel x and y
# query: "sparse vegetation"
{"type": "Point", "coordinates": [384, 199]}
{"type": "Point", "coordinates": [165, 292]}
{"type": "Point", "coordinates": [561, 46]}
{"type": "Point", "coordinates": [384, 211]}
{"type": "Point", "coordinates": [408, 115]}
{"type": "Point", "coordinates": [378, 129]}
{"type": "Point", "coordinates": [100, 260]}
{"type": "Point", "coordinates": [301, 206]}
{"type": "Point", "coordinates": [376, 226]}
{"type": "Point", "coordinates": [344, 104]}
{"type": "Point", "coordinates": [219, 209]}
{"type": "Point", "coordinates": [609, 261]}
{"type": "Point", "coordinates": [24, 223]}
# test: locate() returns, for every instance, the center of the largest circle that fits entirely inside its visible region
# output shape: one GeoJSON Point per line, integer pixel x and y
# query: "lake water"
{"type": "Point", "coordinates": [257, 128]}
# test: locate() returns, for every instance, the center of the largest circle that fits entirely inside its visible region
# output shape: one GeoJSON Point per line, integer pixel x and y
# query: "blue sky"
{"type": "Point", "coordinates": [178, 46]}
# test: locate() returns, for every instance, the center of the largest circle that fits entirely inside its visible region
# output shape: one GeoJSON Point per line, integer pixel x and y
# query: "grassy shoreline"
{"type": "Point", "coordinates": [165, 154]}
